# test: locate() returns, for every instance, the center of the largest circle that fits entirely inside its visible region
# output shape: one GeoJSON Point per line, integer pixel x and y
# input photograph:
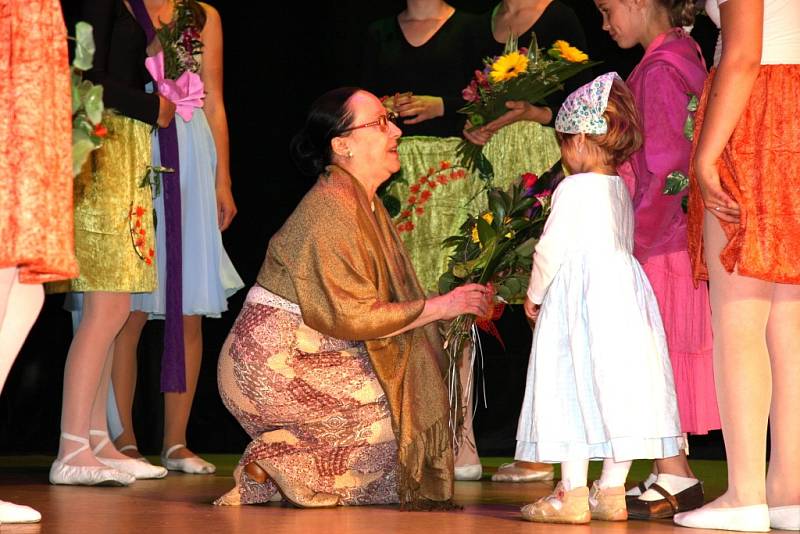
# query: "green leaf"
{"type": "Point", "coordinates": [485, 232]}
{"type": "Point", "coordinates": [688, 127]}
{"type": "Point", "coordinates": [453, 240]}
{"type": "Point", "coordinates": [484, 166]}
{"type": "Point", "coordinates": [526, 248]}
{"type": "Point", "coordinates": [84, 47]}
{"type": "Point", "coordinates": [693, 102]}
{"type": "Point", "coordinates": [497, 205]}
{"type": "Point", "coordinates": [504, 293]}
{"type": "Point", "coordinates": [685, 204]}
{"type": "Point", "coordinates": [676, 182]}
{"type": "Point", "coordinates": [82, 146]}
{"type": "Point", "coordinates": [93, 102]}
{"type": "Point", "coordinates": [447, 282]}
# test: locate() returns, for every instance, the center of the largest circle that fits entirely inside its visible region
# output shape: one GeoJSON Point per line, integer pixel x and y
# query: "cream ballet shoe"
{"type": "Point", "coordinates": [18, 513]}
{"type": "Point", "coordinates": [511, 472]}
{"type": "Point", "coordinates": [571, 507]}
{"type": "Point", "coordinates": [85, 475]}
{"type": "Point", "coordinates": [139, 469]}
{"type": "Point", "coordinates": [608, 504]}
{"type": "Point", "coordinates": [193, 465]}
{"type": "Point", "coordinates": [785, 517]}
{"type": "Point", "coordinates": [753, 518]}
{"type": "Point", "coordinates": [469, 472]}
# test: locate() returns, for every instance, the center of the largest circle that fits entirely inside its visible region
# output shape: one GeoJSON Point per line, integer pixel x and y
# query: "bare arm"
{"type": "Point", "coordinates": [214, 107]}
{"type": "Point", "coordinates": [471, 298]}
{"type": "Point", "coordinates": [742, 26]}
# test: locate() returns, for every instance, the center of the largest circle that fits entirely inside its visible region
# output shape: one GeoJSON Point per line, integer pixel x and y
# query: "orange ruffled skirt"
{"type": "Point", "coordinates": [760, 169]}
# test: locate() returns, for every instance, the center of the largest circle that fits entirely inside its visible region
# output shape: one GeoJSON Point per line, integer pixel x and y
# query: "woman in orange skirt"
{"type": "Point", "coordinates": [36, 242]}
{"type": "Point", "coordinates": [744, 237]}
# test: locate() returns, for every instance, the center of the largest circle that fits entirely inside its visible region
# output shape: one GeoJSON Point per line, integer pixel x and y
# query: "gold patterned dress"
{"type": "Point", "coordinates": [35, 143]}
{"type": "Point", "coordinates": [114, 231]}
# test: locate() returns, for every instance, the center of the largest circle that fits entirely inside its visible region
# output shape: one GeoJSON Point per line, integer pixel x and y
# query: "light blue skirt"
{"type": "Point", "coordinates": [209, 277]}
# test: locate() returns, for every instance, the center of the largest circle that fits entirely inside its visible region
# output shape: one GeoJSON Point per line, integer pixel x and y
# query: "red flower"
{"type": "Point", "coordinates": [444, 165]}
{"type": "Point", "coordinates": [425, 195]}
{"type": "Point", "coordinates": [405, 214]}
{"type": "Point", "coordinates": [529, 180]}
{"type": "Point", "coordinates": [140, 242]}
{"type": "Point", "coordinates": [139, 211]}
{"type": "Point", "coordinates": [100, 130]}
{"type": "Point", "coordinates": [413, 199]}
{"type": "Point", "coordinates": [414, 188]}
{"type": "Point", "coordinates": [432, 185]}
{"type": "Point", "coordinates": [442, 179]}
{"type": "Point", "coordinates": [470, 92]}
{"type": "Point", "coordinates": [420, 210]}
{"type": "Point", "coordinates": [148, 261]}
{"type": "Point", "coordinates": [151, 252]}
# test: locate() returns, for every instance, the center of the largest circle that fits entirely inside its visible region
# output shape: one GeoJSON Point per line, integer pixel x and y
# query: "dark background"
{"type": "Point", "coordinates": [278, 58]}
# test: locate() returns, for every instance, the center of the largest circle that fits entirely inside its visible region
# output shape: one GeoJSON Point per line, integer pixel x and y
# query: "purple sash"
{"type": "Point", "coordinates": [173, 366]}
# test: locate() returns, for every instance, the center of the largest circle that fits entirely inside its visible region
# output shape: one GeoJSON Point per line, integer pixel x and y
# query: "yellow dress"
{"type": "Point", "coordinates": [114, 232]}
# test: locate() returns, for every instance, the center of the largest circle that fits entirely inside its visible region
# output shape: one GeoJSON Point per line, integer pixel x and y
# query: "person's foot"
{"type": "Point", "coordinates": [523, 472]}
{"type": "Point", "coordinates": [608, 504]}
{"type": "Point", "coordinates": [727, 513]}
{"type": "Point", "coordinates": [668, 496]}
{"type": "Point", "coordinates": [179, 458]}
{"type": "Point", "coordinates": [18, 513]}
{"type": "Point", "coordinates": [561, 506]}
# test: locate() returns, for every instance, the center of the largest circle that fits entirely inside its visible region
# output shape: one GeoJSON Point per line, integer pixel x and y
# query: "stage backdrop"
{"type": "Point", "coordinates": [279, 56]}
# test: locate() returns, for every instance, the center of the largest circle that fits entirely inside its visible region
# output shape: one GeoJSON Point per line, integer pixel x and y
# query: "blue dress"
{"type": "Point", "coordinates": [209, 277]}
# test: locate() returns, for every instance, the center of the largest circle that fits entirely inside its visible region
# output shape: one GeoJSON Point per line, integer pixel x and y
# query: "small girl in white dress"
{"type": "Point", "coordinates": [599, 382]}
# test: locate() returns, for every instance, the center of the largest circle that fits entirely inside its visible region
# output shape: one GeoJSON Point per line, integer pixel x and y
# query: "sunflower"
{"type": "Point", "coordinates": [508, 66]}
{"type": "Point", "coordinates": [563, 50]}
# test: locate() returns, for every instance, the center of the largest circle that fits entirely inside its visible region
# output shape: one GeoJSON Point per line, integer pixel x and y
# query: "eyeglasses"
{"type": "Point", "coordinates": [382, 122]}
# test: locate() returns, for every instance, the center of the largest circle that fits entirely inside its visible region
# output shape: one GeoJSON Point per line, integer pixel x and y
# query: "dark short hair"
{"type": "Point", "coordinates": [328, 118]}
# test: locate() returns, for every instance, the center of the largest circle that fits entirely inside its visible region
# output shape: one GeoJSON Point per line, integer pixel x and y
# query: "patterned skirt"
{"type": "Point", "coordinates": [114, 232]}
{"type": "Point", "coordinates": [760, 169]}
{"type": "Point", "coordinates": [318, 417]}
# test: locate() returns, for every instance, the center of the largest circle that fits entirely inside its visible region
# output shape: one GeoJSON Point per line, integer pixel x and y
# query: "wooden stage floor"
{"type": "Point", "coordinates": [181, 504]}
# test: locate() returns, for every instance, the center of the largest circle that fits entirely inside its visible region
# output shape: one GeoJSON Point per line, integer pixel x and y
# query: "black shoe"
{"type": "Point", "coordinates": [683, 501]}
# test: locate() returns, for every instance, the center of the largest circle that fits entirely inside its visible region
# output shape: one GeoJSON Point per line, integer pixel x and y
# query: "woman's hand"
{"type": "Point", "coordinates": [716, 200]}
{"type": "Point", "coordinates": [418, 107]}
{"type": "Point", "coordinates": [166, 111]}
{"type": "Point", "coordinates": [473, 299]}
{"type": "Point", "coordinates": [478, 136]}
{"type": "Point", "coordinates": [518, 110]}
{"type": "Point", "coordinates": [226, 207]}
{"type": "Point", "coordinates": [531, 311]}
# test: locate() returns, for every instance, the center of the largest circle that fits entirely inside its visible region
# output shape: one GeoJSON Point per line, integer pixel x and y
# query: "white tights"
{"type": "Point", "coordinates": [19, 307]}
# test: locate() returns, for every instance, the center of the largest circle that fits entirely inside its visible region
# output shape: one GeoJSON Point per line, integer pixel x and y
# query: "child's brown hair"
{"type": "Point", "coordinates": [624, 134]}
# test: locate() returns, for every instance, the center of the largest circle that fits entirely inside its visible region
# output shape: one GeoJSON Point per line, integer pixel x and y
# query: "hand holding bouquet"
{"type": "Point", "coordinates": [524, 74]}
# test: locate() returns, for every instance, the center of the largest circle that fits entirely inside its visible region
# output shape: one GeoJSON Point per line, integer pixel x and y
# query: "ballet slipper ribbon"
{"type": "Point", "coordinates": [186, 92]}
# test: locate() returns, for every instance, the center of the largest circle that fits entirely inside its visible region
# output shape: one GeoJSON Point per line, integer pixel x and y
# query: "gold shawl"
{"type": "Point", "coordinates": [346, 268]}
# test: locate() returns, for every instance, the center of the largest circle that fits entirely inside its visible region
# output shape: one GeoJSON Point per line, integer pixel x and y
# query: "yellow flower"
{"type": "Point", "coordinates": [569, 53]}
{"type": "Point", "coordinates": [488, 217]}
{"type": "Point", "coordinates": [475, 237]}
{"type": "Point", "coordinates": [508, 66]}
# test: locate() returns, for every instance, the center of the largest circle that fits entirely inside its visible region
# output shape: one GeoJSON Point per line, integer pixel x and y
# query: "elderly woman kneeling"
{"type": "Point", "coordinates": [333, 366]}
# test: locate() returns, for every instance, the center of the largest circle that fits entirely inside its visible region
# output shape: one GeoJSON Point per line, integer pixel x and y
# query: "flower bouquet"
{"type": "Point", "coordinates": [495, 248]}
{"type": "Point", "coordinates": [519, 74]}
{"type": "Point", "coordinates": [88, 130]}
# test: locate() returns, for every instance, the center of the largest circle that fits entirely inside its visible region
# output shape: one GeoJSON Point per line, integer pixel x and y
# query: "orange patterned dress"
{"type": "Point", "coordinates": [760, 168]}
{"type": "Point", "coordinates": [36, 226]}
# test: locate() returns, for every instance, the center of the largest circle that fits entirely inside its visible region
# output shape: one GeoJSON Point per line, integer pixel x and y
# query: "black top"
{"type": "Point", "coordinates": [557, 21]}
{"type": "Point", "coordinates": [443, 66]}
{"type": "Point", "coordinates": [120, 45]}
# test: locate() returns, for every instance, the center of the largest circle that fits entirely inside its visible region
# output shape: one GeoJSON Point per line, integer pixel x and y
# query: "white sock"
{"type": "Point", "coordinates": [614, 473]}
{"type": "Point", "coordinates": [672, 483]}
{"type": "Point", "coordinates": [574, 473]}
{"type": "Point", "coordinates": [635, 491]}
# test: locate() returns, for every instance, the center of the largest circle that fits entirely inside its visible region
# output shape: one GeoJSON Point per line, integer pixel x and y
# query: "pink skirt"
{"type": "Point", "coordinates": [686, 314]}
